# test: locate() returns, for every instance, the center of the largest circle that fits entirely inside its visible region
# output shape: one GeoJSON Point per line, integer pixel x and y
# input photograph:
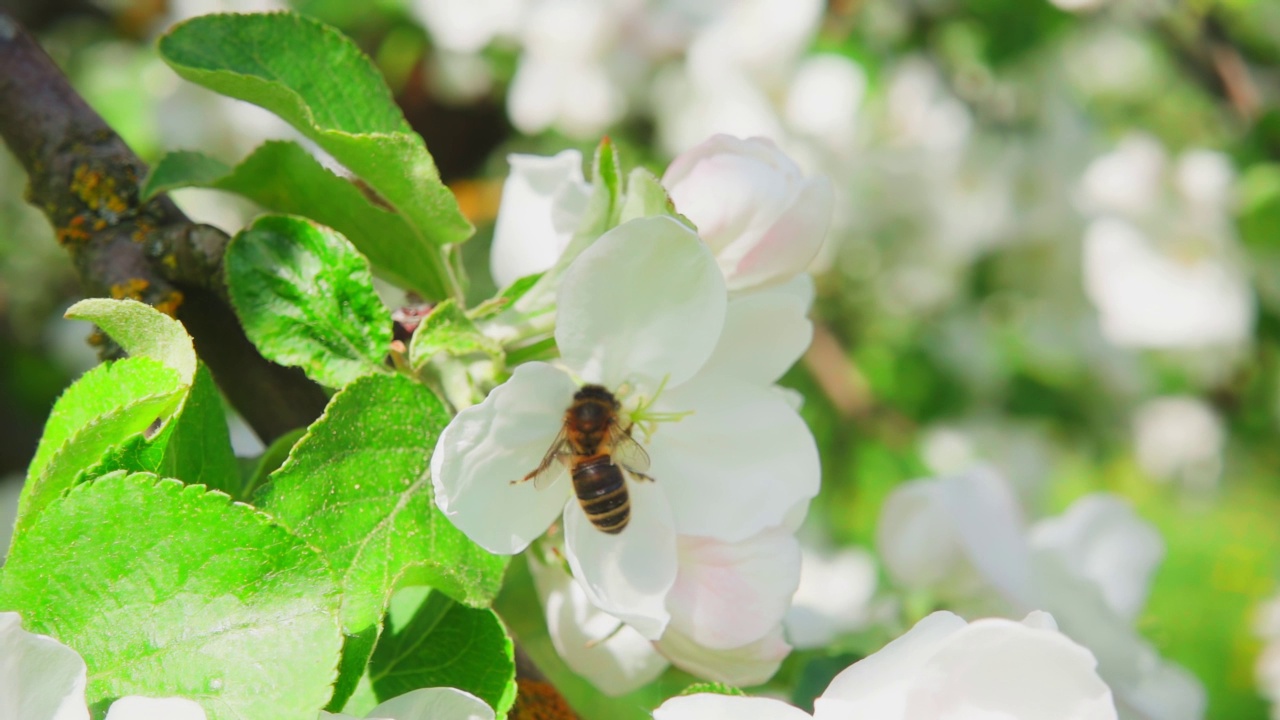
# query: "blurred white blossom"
{"type": "Point", "coordinates": [835, 596]}
{"type": "Point", "coordinates": [1179, 438]}
{"type": "Point", "coordinates": [1267, 670]}
{"type": "Point", "coordinates": [1161, 261]}
{"type": "Point", "coordinates": [943, 668]}
{"type": "Point", "coordinates": [963, 539]}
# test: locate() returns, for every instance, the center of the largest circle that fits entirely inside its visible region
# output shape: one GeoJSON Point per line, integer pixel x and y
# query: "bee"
{"type": "Point", "coordinates": [595, 448]}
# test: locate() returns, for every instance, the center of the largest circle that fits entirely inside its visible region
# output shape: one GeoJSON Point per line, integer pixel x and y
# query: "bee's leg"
{"type": "Point", "coordinates": [640, 475]}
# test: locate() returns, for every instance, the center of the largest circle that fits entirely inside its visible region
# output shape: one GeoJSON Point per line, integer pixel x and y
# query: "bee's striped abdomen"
{"type": "Point", "coordinates": [602, 492]}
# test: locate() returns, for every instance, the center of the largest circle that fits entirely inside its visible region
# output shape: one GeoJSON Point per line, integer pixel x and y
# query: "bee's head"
{"type": "Point", "coordinates": [593, 407]}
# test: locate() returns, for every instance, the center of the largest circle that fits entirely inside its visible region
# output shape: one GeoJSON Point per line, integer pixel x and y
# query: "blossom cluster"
{"type": "Point", "coordinates": [943, 668]}
{"type": "Point", "coordinates": [962, 539]}
{"type": "Point", "coordinates": [689, 331]}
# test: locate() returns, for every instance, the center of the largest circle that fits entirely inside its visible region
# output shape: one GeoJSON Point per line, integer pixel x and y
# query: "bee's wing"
{"type": "Point", "coordinates": [553, 463]}
{"type": "Point", "coordinates": [628, 453]}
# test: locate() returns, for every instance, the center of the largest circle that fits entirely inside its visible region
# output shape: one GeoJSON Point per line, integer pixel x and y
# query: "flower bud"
{"type": "Point", "coordinates": [762, 218]}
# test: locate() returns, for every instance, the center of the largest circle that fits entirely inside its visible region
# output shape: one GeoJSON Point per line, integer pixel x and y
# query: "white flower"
{"type": "Point", "coordinates": [425, 704]}
{"type": "Point", "coordinates": [823, 99]}
{"type": "Point", "coordinates": [639, 312]}
{"type": "Point", "coordinates": [42, 679]}
{"type": "Point", "coordinates": [762, 218]}
{"type": "Point", "coordinates": [962, 538]}
{"type": "Point", "coordinates": [565, 79]}
{"type": "Point", "coordinates": [1267, 670]}
{"type": "Point", "coordinates": [727, 607]}
{"type": "Point", "coordinates": [543, 200]}
{"type": "Point", "coordinates": [1152, 299]}
{"type": "Point", "coordinates": [943, 668]}
{"type": "Point", "coordinates": [1100, 539]}
{"type": "Point", "coordinates": [1179, 437]}
{"type": "Point", "coordinates": [834, 596]}
{"type": "Point", "coordinates": [468, 26]}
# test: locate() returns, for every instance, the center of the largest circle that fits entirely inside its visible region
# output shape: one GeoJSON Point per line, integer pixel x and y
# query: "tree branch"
{"type": "Point", "coordinates": [85, 179]}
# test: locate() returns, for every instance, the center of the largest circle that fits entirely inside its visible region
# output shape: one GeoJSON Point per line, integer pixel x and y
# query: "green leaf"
{"type": "Point", "coordinates": [317, 80]}
{"type": "Point", "coordinates": [169, 590]}
{"type": "Point", "coordinates": [604, 205]}
{"type": "Point", "coordinates": [505, 299]}
{"type": "Point", "coordinates": [447, 329]}
{"type": "Point", "coordinates": [645, 197]}
{"type": "Point", "coordinates": [184, 168]}
{"type": "Point", "coordinates": [356, 651]}
{"type": "Point", "coordinates": [712, 688]}
{"type": "Point", "coordinates": [270, 460]}
{"type": "Point", "coordinates": [606, 173]}
{"type": "Point", "coordinates": [358, 488]}
{"type": "Point", "coordinates": [142, 331]}
{"type": "Point", "coordinates": [194, 448]}
{"type": "Point", "coordinates": [305, 298]}
{"type": "Point", "coordinates": [283, 177]}
{"type": "Point", "coordinates": [105, 407]}
{"type": "Point", "coordinates": [432, 641]}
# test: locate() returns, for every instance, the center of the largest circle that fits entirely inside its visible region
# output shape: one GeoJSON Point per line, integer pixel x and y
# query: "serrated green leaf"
{"type": "Point", "coordinates": [305, 298]}
{"type": "Point", "coordinates": [283, 177]}
{"type": "Point", "coordinates": [142, 331]}
{"type": "Point", "coordinates": [432, 641]}
{"type": "Point", "coordinates": [105, 407]}
{"type": "Point", "coordinates": [195, 447]}
{"type": "Point", "coordinates": [169, 590]}
{"type": "Point", "coordinates": [447, 329]}
{"type": "Point", "coordinates": [316, 79]}
{"type": "Point", "coordinates": [358, 488]}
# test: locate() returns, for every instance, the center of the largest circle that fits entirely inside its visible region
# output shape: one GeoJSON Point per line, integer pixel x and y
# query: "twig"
{"type": "Point", "coordinates": [85, 179]}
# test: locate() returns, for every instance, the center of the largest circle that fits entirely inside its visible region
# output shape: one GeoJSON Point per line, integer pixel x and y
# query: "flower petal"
{"type": "Point", "coordinates": [752, 205]}
{"type": "Point", "coordinates": [751, 664]}
{"type": "Point", "coordinates": [135, 707]}
{"type": "Point", "coordinates": [627, 575]}
{"type": "Point", "coordinates": [646, 299]}
{"type": "Point", "coordinates": [738, 464]}
{"type": "Point", "coordinates": [834, 596]}
{"type": "Point", "coordinates": [1100, 538]}
{"type": "Point", "coordinates": [887, 672]}
{"type": "Point", "coordinates": [960, 535]}
{"type": "Point", "coordinates": [433, 704]}
{"type": "Point", "coordinates": [730, 594]}
{"type": "Point", "coordinates": [1001, 668]}
{"type": "Point", "coordinates": [709, 706]}
{"type": "Point", "coordinates": [765, 332]}
{"type": "Point", "coordinates": [40, 678]}
{"type": "Point", "coordinates": [612, 655]}
{"type": "Point", "coordinates": [543, 200]}
{"type": "Point", "coordinates": [487, 446]}
{"type": "Point", "coordinates": [790, 245]}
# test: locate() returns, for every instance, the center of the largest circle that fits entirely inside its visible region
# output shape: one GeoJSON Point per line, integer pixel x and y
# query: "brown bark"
{"type": "Point", "coordinates": [86, 180]}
